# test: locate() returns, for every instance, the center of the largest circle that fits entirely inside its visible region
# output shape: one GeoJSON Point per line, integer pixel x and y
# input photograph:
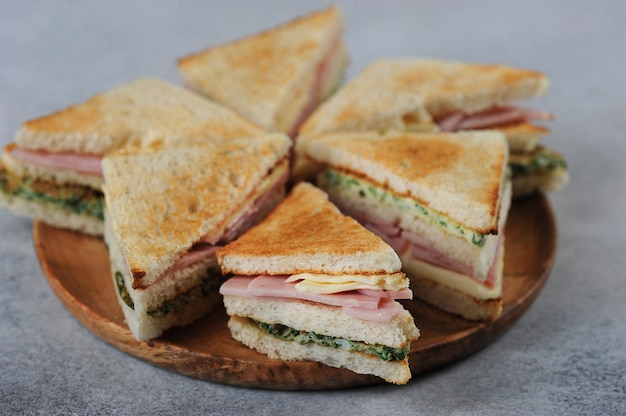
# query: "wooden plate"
{"type": "Point", "coordinates": [77, 268]}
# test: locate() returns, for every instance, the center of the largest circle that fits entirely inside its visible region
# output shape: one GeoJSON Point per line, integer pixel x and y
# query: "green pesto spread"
{"type": "Point", "coordinates": [543, 160]}
{"type": "Point", "coordinates": [209, 284]}
{"type": "Point", "coordinates": [121, 290]}
{"type": "Point", "coordinates": [286, 333]}
{"type": "Point", "coordinates": [78, 199]}
{"type": "Point", "coordinates": [335, 179]}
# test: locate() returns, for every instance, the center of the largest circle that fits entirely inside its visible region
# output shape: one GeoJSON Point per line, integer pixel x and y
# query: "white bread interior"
{"type": "Point", "coordinates": [479, 258]}
{"type": "Point", "coordinates": [455, 301]}
{"type": "Point", "coordinates": [325, 320]}
{"type": "Point", "coordinates": [249, 334]}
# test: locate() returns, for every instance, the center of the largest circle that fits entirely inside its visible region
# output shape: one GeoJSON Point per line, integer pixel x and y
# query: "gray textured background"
{"type": "Point", "coordinates": [567, 355]}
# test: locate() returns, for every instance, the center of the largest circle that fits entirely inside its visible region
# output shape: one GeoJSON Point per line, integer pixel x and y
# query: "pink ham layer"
{"type": "Point", "coordinates": [496, 116]}
{"type": "Point", "coordinates": [421, 249]}
{"type": "Point", "coordinates": [369, 305]}
{"type": "Point", "coordinates": [82, 163]}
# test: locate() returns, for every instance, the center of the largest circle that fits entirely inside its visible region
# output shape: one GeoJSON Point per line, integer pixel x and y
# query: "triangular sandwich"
{"type": "Point", "coordinates": [440, 199]}
{"type": "Point", "coordinates": [309, 283]}
{"type": "Point", "coordinates": [275, 78]}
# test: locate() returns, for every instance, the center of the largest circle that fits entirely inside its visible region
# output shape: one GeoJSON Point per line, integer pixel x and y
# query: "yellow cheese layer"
{"type": "Point", "coordinates": [455, 280]}
{"type": "Point", "coordinates": [326, 283]}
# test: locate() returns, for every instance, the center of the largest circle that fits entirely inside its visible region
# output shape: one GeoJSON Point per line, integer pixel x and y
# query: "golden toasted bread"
{"type": "Point", "coordinates": [268, 77]}
{"type": "Point", "coordinates": [143, 112]}
{"type": "Point", "coordinates": [460, 175]}
{"type": "Point", "coordinates": [307, 233]}
{"type": "Point", "coordinates": [163, 200]}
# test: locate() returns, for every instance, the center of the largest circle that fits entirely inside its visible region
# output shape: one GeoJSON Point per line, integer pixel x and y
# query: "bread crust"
{"type": "Point", "coordinates": [307, 233]}
{"type": "Point", "coordinates": [266, 75]}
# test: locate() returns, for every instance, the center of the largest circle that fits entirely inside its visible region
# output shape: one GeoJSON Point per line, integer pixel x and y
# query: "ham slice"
{"type": "Point", "coordinates": [326, 71]}
{"type": "Point", "coordinates": [82, 163]}
{"type": "Point", "coordinates": [402, 240]}
{"type": "Point", "coordinates": [492, 117]}
{"type": "Point", "coordinates": [197, 253]}
{"type": "Point", "coordinates": [358, 304]}
{"type": "Point", "coordinates": [405, 293]}
{"type": "Point", "coordinates": [492, 275]}
{"type": "Point", "coordinates": [387, 310]}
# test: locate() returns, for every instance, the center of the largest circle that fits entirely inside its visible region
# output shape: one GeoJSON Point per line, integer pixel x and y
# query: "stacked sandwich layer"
{"type": "Point", "coordinates": [312, 284]}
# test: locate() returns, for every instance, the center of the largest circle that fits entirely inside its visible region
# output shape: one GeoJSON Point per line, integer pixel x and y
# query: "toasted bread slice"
{"type": "Point", "coordinates": [404, 94]}
{"type": "Point", "coordinates": [54, 174]}
{"type": "Point", "coordinates": [165, 199]}
{"type": "Point", "coordinates": [143, 112]}
{"type": "Point", "coordinates": [249, 333]}
{"type": "Point", "coordinates": [269, 77]}
{"type": "Point", "coordinates": [460, 175]}
{"type": "Point", "coordinates": [307, 234]}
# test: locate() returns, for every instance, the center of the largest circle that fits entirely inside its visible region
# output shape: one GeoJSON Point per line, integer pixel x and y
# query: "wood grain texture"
{"type": "Point", "coordinates": [77, 268]}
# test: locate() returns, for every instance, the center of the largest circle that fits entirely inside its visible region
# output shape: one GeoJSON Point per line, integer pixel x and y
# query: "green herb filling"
{"type": "Point", "coordinates": [286, 333]}
{"type": "Point", "coordinates": [78, 199]}
{"type": "Point", "coordinates": [209, 284]}
{"type": "Point", "coordinates": [336, 179]}
{"type": "Point", "coordinates": [543, 161]}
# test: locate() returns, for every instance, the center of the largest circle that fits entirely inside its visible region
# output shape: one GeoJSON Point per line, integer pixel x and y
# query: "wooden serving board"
{"type": "Point", "coordinates": [77, 268]}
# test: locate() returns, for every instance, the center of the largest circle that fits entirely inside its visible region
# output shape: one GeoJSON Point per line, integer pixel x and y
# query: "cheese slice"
{"type": "Point", "coordinates": [454, 280]}
{"type": "Point", "coordinates": [326, 283]}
